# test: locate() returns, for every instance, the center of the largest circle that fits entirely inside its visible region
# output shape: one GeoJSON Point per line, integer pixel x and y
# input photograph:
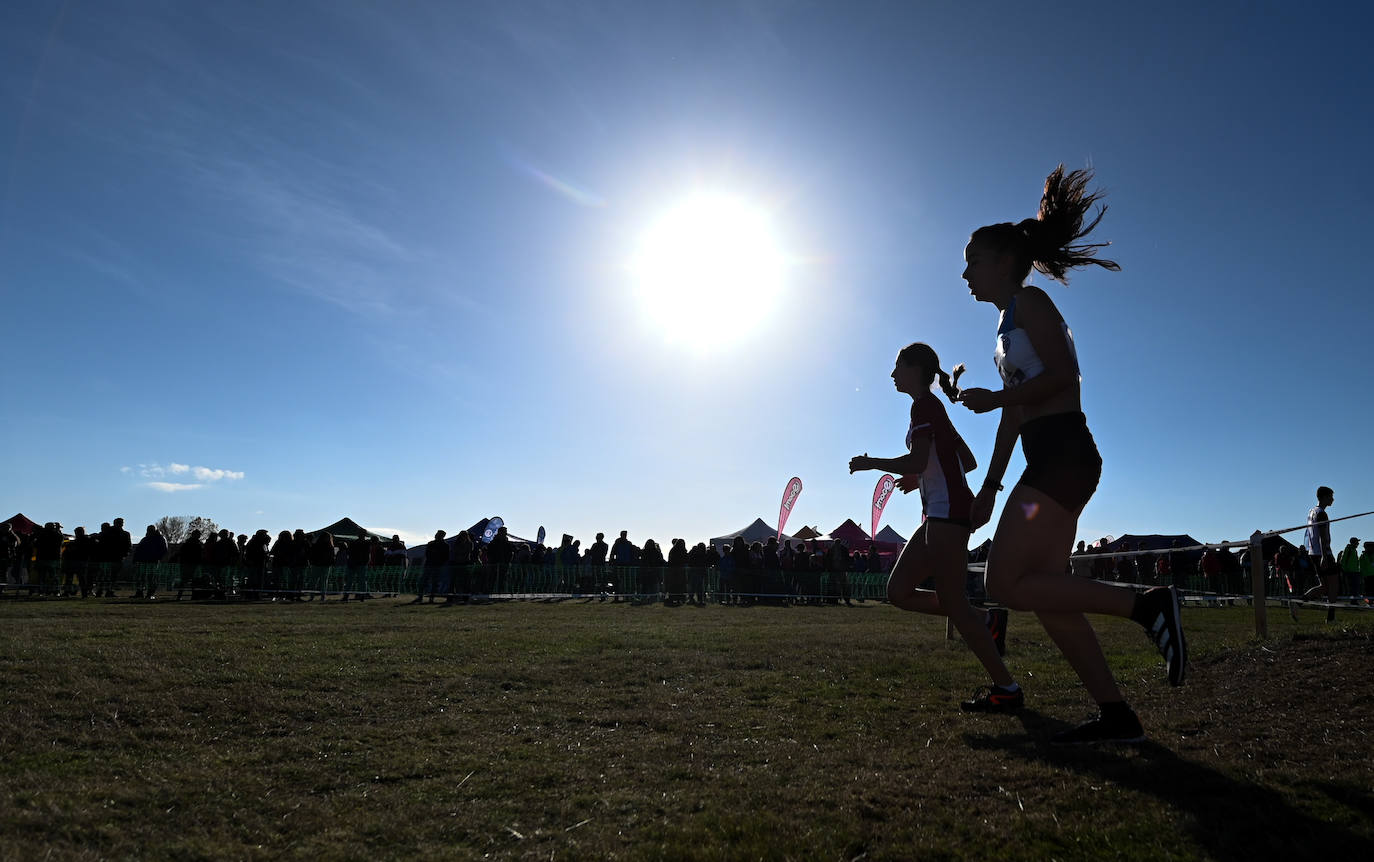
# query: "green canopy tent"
{"type": "Point", "coordinates": [347, 528]}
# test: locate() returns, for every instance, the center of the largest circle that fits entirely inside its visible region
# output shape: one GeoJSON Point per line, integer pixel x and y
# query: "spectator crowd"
{"type": "Point", "coordinates": [300, 566]}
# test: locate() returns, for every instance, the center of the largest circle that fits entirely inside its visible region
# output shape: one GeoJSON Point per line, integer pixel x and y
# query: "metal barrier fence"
{"type": "Point", "coordinates": [640, 583]}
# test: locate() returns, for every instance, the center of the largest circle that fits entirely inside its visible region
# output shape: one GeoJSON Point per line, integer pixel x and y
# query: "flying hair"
{"type": "Point", "coordinates": [1049, 243]}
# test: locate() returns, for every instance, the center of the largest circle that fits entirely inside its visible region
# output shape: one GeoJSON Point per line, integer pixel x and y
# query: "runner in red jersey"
{"type": "Point", "coordinates": [935, 463]}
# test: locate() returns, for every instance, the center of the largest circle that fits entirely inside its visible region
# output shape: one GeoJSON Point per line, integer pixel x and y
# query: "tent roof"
{"type": "Point", "coordinates": [1151, 542]}
{"type": "Point", "coordinates": [758, 531]}
{"type": "Point", "coordinates": [807, 533]}
{"type": "Point", "coordinates": [22, 525]}
{"type": "Point", "coordinates": [887, 534]}
{"type": "Point", "coordinates": [849, 532]}
{"type": "Point", "coordinates": [346, 528]}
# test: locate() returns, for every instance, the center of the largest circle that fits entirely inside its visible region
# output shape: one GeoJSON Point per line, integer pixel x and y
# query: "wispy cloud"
{"type": "Point", "coordinates": [205, 474]}
{"type": "Point", "coordinates": [158, 472]}
{"type": "Point", "coordinates": [172, 487]}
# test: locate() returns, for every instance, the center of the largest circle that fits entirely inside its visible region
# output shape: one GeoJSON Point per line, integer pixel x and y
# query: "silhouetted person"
{"type": "Point", "coordinates": [147, 555]}
{"type": "Point", "coordinates": [355, 580]}
{"type": "Point", "coordinates": [9, 553]}
{"type": "Point", "coordinates": [1318, 542]}
{"type": "Point", "coordinates": [190, 555]}
{"type": "Point", "coordinates": [283, 554]}
{"type": "Point", "coordinates": [322, 553]}
{"type": "Point", "coordinates": [436, 558]}
{"type": "Point", "coordinates": [255, 565]}
{"type": "Point", "coordinates": [76, 555]}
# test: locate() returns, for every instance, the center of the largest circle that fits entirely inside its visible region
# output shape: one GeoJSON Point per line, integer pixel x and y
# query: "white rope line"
{"type": "Point", "coordinates": [1245, 543]}
{"type": "Point", "coordinates": [1305, 526]}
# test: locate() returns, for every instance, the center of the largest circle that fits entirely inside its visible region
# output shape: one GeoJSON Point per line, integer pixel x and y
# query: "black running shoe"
{"type": "Point", "coordinates": [1119, 726]}
{"type": "Point", "coordinates": [1162, 621]}
{"type": "Point", "coordinates": [997, 624]}
{"type": "Point", "coordinates": [995, 699]}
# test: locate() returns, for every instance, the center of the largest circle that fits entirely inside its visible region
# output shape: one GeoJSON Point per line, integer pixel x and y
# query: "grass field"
{"type": "Point", "coordinates": [591, 731]}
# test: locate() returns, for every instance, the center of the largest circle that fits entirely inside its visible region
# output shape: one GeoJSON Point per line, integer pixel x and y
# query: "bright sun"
{"type": "Point", "coordinates": [708, 270]}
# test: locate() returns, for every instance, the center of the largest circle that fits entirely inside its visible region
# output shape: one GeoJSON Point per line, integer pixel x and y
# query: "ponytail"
{"type": "Point", "coordinates": [1049, 242]}
{"type": "Point", "coordinates": [950, 383]}
{"type": "Point", "coordinates": [922, 354]}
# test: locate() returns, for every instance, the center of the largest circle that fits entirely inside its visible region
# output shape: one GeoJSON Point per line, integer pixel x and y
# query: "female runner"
{"type": "Point", "coordinates": [936, 463]}
{"type": "Point", "coordinates": [1040, 404]}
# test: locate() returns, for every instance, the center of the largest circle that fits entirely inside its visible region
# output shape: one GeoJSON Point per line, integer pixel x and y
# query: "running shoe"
{"type": "Point", "coordinates": [1119, 726]}
{"type": "Point", "coordinates": [1161, 618]}
{"type": "Point", "coordinates": [997, 624]}
{"type": "Point", "coordinates": [994, 698]}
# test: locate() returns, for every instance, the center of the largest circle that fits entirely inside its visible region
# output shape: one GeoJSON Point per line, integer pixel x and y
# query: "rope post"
{"type": "Point", "coordinates": [1257, 583]}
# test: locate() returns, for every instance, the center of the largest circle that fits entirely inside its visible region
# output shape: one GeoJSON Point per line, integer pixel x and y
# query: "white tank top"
{"type": "Point", "coordinates": [1015, 356]}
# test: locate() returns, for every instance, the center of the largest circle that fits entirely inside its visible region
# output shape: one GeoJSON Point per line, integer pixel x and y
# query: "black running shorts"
{"type": "Point", "coordinates": [1061, 459]}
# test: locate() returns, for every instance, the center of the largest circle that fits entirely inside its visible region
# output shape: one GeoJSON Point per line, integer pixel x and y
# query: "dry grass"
{"type": "Point", "coordinates": [571, 730]}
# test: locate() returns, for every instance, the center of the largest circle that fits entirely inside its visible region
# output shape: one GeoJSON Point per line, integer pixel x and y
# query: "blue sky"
{"type": "Point", "coordinates": [372, 259]}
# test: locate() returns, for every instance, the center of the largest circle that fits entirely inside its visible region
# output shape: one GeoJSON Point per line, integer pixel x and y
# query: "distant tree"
{"type": "Point", "coordinates": [173, 528]}
{"type": "Point", "coordinates": [202, 523]}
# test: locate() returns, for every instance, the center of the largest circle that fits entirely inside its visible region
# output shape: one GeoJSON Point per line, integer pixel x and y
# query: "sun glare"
{"type": "Point", "coordinates": [709, 270]}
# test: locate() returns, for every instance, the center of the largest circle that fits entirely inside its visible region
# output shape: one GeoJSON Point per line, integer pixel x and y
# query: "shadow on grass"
{"type": "Point", "coordinates": [1230, 817]}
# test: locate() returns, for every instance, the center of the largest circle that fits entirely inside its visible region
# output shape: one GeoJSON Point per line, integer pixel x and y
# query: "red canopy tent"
{"type": "Point", "coordinates": [22, 525]}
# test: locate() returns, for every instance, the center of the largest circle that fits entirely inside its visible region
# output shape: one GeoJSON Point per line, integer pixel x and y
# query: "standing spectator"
{"type": "Point", "coordinates": [1175, 560]}
{"type": "Point", "coordinates": [675, 581]}
{"type": "Point", "coordinates": [1367, 570]}
{"type": "Point", "coordinates": [48, 557]}
{"type": "Point", "coordinates": [1230, 570]}
{"type": "Point", "coordinates": [190, 555]}
{"type": "Point", "coordinates": [1304, 571]}
{"type": "Point", "coordinates": [461, 557]}
{"type": "Point", "coordinates": [436, 559]}
{"type": "Point", "coordinates": [212, 567]}
{"type": "Point", "coordinates": [9, 553]}
{"type": "Point", "coordinates": [227, 558]}
{"type": "Point", "coordinates": [1318, 541]}
{"type": "Point", "coordinates": [1349, 561]}
{"type": "Point", "coordinates": [1283, 568]}
{"type": "Point", "coordinates": [76, 561]}
{"type": "Point", "coordinates": [696, 574]}
{"type": "Point", "coordinates": [500, 552]}
{"type": "Point", "coordinates": [1145, 565]}
{"type": "Point", "coordinates": [26, 556]}
{"type": "Point", "coordinates": [147, 555]}
{"type": "Point", "coordinates": [321, 559]}
{"type": "Point", "coordinates": [282, 578]}
{"type": "Point", "coordinates": [255, 565]}
{"type": "Point", "coordinates": [837, 566]}
{"type": "Point", "coordinates": [1125, 566]}
{"type": "Point", "coordinates": [394, 560]}
{"type": "Point", "coordinates": [801, 573]}
{"type": "Point", "coordinates": [651, 564]}
{"type": "Point", "coordinates": [741, 574]}
{"type": "Point", "coordinates": [593, 571]}
{"type": "Point", "coordinates": [770, 575]}
{"type": "Point", "coordinates": [355, 580]}
{"type": "Point", "coordinates": [301, 549]}
{"type": "Point", "coordinates": [115, 544]}
{"type": "Point", "coordinates": [622, 555]}
{"type": "Point", "coordinates": [1210, 567]}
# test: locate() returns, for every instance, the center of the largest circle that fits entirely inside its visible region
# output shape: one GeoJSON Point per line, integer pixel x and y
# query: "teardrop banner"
{"type": "Point", "coordinates": [540, 539]}
{"type": "Point", "coordinates": [489, 532]}
{"type": "Point", "coordinates": [881, 494]}
{"type": "Point", "coordinates": [789, 498]}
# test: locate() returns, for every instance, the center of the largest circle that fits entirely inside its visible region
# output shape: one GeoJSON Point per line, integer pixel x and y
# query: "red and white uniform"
{"type": "Point", "coordinates": [944, 492]}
